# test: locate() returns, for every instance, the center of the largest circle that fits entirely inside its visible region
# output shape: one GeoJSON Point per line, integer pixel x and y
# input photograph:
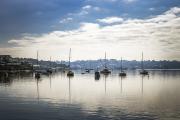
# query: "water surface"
{"type": "Point", "coordinates": [58, 97]}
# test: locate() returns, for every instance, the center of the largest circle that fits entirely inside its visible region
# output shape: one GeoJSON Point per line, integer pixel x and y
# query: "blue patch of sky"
{"type": "Point", "coordinates": [32, 16]}
{"type": "Point", "coordinates": [140, 9]}
{"type": "Point", "coordinates": [39, 16]}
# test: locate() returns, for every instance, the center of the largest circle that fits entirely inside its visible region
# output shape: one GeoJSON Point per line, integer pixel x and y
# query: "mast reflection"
{"type": "Point", "coordinates": [37, 88]}
{"type": "Point", "coordinates": [69, 78]}
{"type": "Point", "coordinates": [105, 77]}
{"type": "Point", "coordinates": [121, 83]}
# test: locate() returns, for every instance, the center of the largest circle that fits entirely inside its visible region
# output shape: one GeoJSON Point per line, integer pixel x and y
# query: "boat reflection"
{"type": "Point", "coordinates": [69, 85]}
{"type": "Point", "coordinates": [121, 82]}
{"type": "Point", "coordinates": [37, 87]}
{"type": "Point", "coordinates": [132, 97]}
{"type": "Point", "coordinates": [105, 80]}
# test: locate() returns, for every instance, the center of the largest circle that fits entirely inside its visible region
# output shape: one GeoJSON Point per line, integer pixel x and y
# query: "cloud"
{"type": "Point", "coordinates": [102, 0]}
{"type": "Point", "coordinates": [85, 10]}
{"type": "Point", "coordinates": [169, 15]}
{"type": "Point", "coordinates": [66, 20]}
{"type": "Point", "coordinates": [111, 0]}
{"type": "Point", "coordinates": [126, 1]}
{"type": "Point", "coordinates": [90, 8]}
{"type": "Point", "coordinates": [110, 20]}
{"type": "Point", "coordinates": [129, 1]}
{"type": "Point", "coordinates": [87, 7]}
{"type": "Point", "coordinates": [158, 36]}
{"type": "Point", "coordinates": [33, 16]}
{"type": "Point", "coordinates": [174, 10]}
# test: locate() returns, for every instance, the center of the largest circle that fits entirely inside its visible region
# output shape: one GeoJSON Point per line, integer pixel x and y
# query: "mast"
{"type": "Point", "coordinates": [37, 58]}
{"type": "Point", "coordinates": [142, 62]}
{"type": "Point", "coordinates": [69, 58]}
{"type": "Point", "coordinates": [121, 64]}
{"type": "Point", "coordinates": [50, 62]}
{"type": "Point", "coordinates": [105, 60]}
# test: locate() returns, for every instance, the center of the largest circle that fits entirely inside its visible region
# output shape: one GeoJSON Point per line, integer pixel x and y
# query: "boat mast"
{"type": "Point", "coordinates": [69, 57]}
{"type": "Point", "coordinates": [121, 64]}
{"type": "Point", "coordinates": [105, 60]}
{"type": "Point", "coordinates": [37, 58]}
{"type": "Point", "coordinates": [142, 62]}
{"type": "Point", "coordinates": [50, 62]}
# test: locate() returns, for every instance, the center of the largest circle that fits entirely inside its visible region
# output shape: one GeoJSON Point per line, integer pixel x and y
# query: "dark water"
{"type": "Point", "coordinates": [57, 97]}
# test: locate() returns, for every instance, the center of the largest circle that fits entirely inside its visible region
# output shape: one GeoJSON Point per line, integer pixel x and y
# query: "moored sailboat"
{"type": "Point", "coordinates": [49, 70]}
{"type": "Point", "coordinates": [105, 70]}
{"type": "Point", "coordinates": [37, 73]}
{"type": "Point", "coordinates": [122, 73]}
{"type": "Point", "coordinates": [143, 71]}
{"type": "Point", "coordinates": [70, 72]}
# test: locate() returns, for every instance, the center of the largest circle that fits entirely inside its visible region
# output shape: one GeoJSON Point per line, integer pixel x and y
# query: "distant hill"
{"type": "Point", "coordinates": [93, 64]}
{"type": "Point", "coordinates": [115, 64]}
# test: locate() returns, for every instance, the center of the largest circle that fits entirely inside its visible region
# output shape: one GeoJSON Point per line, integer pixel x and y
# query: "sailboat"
{"type": "Point", "coordinates": [122, 73]}
{"type": "Point", "coordinates": [70, 73]}
{"type": "Point", "coordinates": [37, 73]}
{"type": "Point", "coordinates": [82, 69]}
{"type": "Point", "coordinates": [49, 70]}
{"type": "Point", "coordinates": [143, 71]}
{"type": "Point", "coordinates": [105, 70]}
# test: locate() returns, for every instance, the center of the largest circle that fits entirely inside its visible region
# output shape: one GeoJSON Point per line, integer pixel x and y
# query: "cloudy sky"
{"type": "Point", "coordinates": [90, 27]}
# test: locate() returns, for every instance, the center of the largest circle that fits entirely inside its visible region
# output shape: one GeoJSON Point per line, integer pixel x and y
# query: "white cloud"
{"type": "Point", "coordinates": [110, 20]}
{"type": "Point", "coordinates": [169, 15]}
{"type": "Point", "coordinates": [86, 7]}
{"type": "Point", "coordinates": [112, 0]}
{"type": "Point", "coordinates": [66, 20]}
{"type": "Point", "coordinates": [126, 1]}
{"type": "Point", "coordinates": [85, 10]}
{"type": "Point", "coordinates": [102, 0]}
{"type": "Point", "coordinates": [82, 13]}
{"type": "Point", "coordinates": [175, 10]}
{"type": "Point", "coordinates": [90, 8]}
{"type": "Point", "coordinates": [89, 27]}
{"type": "Point", "coordinates": [129, 1]}
{"type": "Point", "coordinates": [158, 37]}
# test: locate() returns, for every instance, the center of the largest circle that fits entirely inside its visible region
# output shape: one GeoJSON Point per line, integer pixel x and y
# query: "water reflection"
{"type": "Point", "coordinates": [37, 86]}
{"type": "Point", "coordinates": [50, 81]}
{"type": "Point", "coordinates": [82, 97]}
{"type": "Point", "coordinates": [105, 77]}
{"type": "Point", "coordinates": [69, 89]}
{"type": "Point", "coordinates": [96, 77]}
{"type": "Point", "coordinates": [142, 85]}
{"type": "Point", "coordinates": [5, 80]}
{"type": "Point", "coordinates": [121, 82]}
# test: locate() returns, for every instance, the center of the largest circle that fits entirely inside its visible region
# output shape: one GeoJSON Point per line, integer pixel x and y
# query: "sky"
{"type": "Point", "coordinates": [121, 28]}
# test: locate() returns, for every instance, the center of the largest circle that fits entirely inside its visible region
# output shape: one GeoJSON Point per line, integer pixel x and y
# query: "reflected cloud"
{"type": "Point", "coordinates": [84, 98]}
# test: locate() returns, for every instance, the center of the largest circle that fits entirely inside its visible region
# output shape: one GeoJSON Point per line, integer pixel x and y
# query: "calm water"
{"type": "Point", "coordinates": [57, 97]}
